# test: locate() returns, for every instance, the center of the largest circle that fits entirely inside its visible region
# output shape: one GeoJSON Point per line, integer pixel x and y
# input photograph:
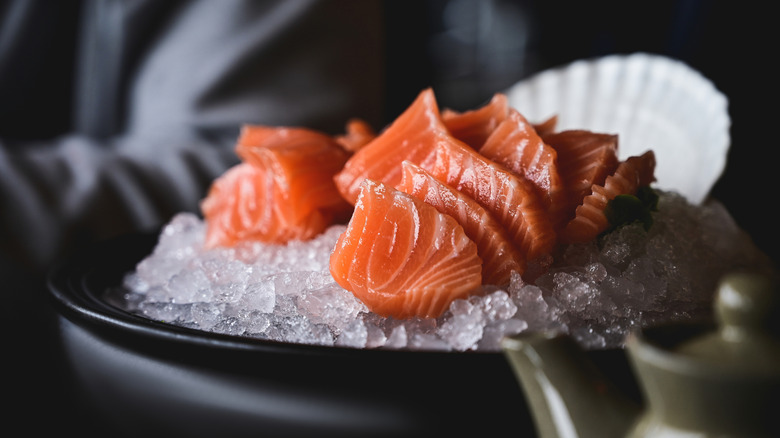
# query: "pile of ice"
{"type": "Point", "coordinates": [596, 292]}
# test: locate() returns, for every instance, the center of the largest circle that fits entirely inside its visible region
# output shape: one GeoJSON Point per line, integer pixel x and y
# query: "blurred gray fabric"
{"type": "Point", "coordinates": [116, 114]}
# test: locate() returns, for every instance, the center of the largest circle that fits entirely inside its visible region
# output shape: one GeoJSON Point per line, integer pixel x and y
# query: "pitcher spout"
{"type": "Point", "coordinates": [567, 394]}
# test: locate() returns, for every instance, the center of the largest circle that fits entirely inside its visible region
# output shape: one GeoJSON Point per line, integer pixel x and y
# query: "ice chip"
{"type": "Point", "coordinates": [464, 328]}
{"type": "Point", "coordinates": [207, 315]}
{"type": "Point", "coordinates": [425, 326]}
{"type": "Point", "coordinates": [155, 271]}
{"type": "Point", "coordinates": [353, 335]}
{"type": "Point", "coordinates": [319, 334]}
{"type": "Point", "coordinates": [642, 271]}
{"type": "Point", "coordinates": [228, 292]}
{"type": "Point", "coordinates": [229, 325]}
{"type": "Point", "coordinates": [290, 283]}
{"type": "Point", "coordinates": [157, 294]}
{"type": "Point", "coordinates": [259, 297]}
{"type": "Point", "coordinates": [498, 306]}
{"type": "Point", "coordinates": [572, 291]}
{"type": "Point", "coordinates": [317, 280]}
{"type": "Point", "coordinates": [166, 312]}
{"type": "Point", "coordinates": [189, 286]}
{"type": "Point", "coordinates": [185, 225]}
{"type": "Point", "coordinates": [495, 332]}
{"type": "Point", "coordinates": [398, 338]}
{"type": "Point", "coordinates": [285, 306]}
{"type": "Point", "coordinates": [618, 297]}
{"type": "Point", "coordinates": [462, 307]}
{"type": "Point", "coordinates": [232, 272]}
{"type": "Point", "coordinates": [427, 341]}
{"type": "Point", "coordinates": [375, 336]}
{"type": "Point", "coordinates": [182, 237]}
{"type": "Point", "coordinates": [616, 252]}
{"type": "Point", "coordinates": [298, 329]}
{"type": "Point", "coordinates": [596, 272]}
{"type": "Point", "coordinates": [257, 323]}
{"type": "Point", "coordinates": [533, 308]}
{"type": "Point", "coordinates": [330, 305]}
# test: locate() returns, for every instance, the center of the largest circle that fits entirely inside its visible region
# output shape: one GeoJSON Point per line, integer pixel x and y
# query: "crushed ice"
{"type": "Point", "coordinates": [596, 292]}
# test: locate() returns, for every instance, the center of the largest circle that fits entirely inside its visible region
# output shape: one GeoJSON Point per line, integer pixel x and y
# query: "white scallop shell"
{"type": "Point", "coordinates": [651, 102]}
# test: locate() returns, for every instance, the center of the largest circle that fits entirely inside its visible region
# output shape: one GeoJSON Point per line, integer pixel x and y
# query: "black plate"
{"type": "Point", "coordinates": [154, 378]}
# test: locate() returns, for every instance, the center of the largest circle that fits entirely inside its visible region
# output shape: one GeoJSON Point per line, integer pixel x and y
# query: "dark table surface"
{"type": "Point", "coordinates": [40, 395]}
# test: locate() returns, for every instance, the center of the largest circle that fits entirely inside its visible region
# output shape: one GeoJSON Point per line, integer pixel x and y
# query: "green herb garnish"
{"type": "Point", "coordinates": [627, 209]}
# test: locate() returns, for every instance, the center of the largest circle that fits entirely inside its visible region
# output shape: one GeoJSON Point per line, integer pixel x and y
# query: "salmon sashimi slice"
{"type": "Point", "coordinates": [515, 144]}
{"type": "Point", "coordinates": [509, 198]}
{"type": "Point", "coordinates": [585, 158]}
{"type": "Point", "coordinates": [403, 258]}
{"type": "Point", "coordinates": [411, 136]}
{"type": "Point", "coordinates": [302, 163]}
{"type": "Point", "coordinates": [547, 127]}
{"type": "Point", "coordinates": [252, 136]}
{"type": "Point", "coordinates": [473, 127]}
{"type": "Point", "coordinates": [590, 219]}
{"type": "Point", "coordinates": [358, 134]}
{"type": "Point", "coordinates": [499, 256]}
{"type": "Point", "coordinates": [243, 205]}
{"type": "Point", "coordinates": [282, 190]}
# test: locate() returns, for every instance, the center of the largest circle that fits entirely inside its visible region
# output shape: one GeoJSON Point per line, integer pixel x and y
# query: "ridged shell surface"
{"type": "Point", "coordinates": [651, 102]}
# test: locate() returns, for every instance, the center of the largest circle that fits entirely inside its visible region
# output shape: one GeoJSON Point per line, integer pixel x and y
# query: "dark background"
{"type": "Point", "coordinates": [467, 51]}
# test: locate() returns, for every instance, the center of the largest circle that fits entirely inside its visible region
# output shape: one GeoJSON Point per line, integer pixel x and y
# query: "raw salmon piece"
{"type": "Point", "coordinates": [243, 205]}
{"type": "Point", "coordinates": [546, 127]}
{"type": "Point", "coordinates": [252, 136]}
{"type": "Point", "coordinates": [510, 199]}
{"type": "Point", "coordinates": [358, 134]}
{"type": "Point", "coordinates": [411, 136]}
{"type": "Point", "coordinates": [302, 162]}
{"type": "Point", "coordinates": [473, 127]}
{"type": "Point", "coordinates": [403, 258]}
{"type": "Point", "coordinates": [585, 158]}
{"type": "Point", "coordinates": [498, 254]}
{"type": "Point", "coordinates": [515, 144]}
{"type": "Point", "coordinates": [283, 190]}
{"type": "Point", "coordinates": [590, 220]}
